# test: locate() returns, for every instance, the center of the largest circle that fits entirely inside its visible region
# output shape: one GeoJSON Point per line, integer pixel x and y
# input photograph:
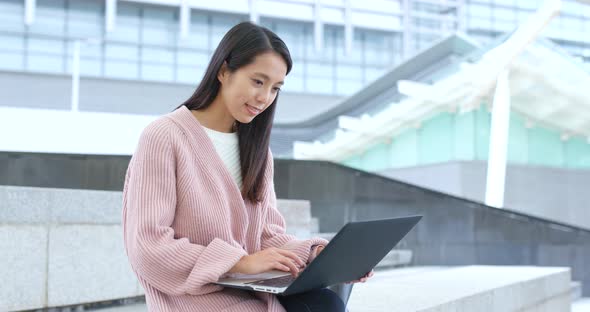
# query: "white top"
{"type": "Point", "coordinates": [226, 145]}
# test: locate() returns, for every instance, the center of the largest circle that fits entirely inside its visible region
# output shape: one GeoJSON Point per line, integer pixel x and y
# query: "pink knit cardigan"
{"type": "Point", "coordinates": [186, 224]}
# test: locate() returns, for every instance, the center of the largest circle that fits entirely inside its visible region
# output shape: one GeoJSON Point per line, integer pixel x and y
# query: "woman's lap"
{"type": "Point", "coordinates": [316, 300]}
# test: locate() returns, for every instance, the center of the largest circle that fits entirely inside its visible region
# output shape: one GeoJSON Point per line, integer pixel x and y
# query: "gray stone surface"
{"type": "Point", "coordinates": [554, 193]}
{"type": "Point", "coordinates": [581, 305]}
{"type": "Point", "coordinates": [23, 255]}
{"type": "Point", "coordinates": [87, 263]}
{"type": "Point", "coordinates": [463, 289]}
{"type": "Point", "coordinates": [297, 214]}
{"type": "Point", "coordinates": [51, 205]}
{"type": "Point", "coordinates": [456, 289]}
{"type": "Point", "coordinates": [24, 205]}
{"type": "Point", "coordinates": [65, 247]}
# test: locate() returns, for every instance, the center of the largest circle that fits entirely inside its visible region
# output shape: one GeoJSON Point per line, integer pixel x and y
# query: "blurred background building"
{"type": "Point", "coordinates": [399, 95]}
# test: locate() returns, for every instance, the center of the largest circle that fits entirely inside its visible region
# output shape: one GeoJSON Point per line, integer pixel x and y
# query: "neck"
{"type": "Point", "coordinates": [215, 117]}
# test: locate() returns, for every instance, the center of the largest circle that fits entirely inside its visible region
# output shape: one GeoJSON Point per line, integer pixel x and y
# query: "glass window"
{"type": "Point", "coordinates": [11, 15]}
{"type": "Point", "coordinates": [12, 51]}
{"type": "Point", "coordinates": [349, 72]}
{"type": "Point", "coordinates": [319, 85]}
{"type": "Point", "coordinates": [372, 73]}
{"type": "Point", "coordinates": [326, 53]}
{"type": "Point", "coordinates": [192, 57]}
{"type": "Point", "coordinates": [50, 17]}
{"type": "Point", "coordinates": [45, 55]}
{"type": "Point", "coordinates": [190, 74]}
{"type": "Point", "coordinates": [118, 51]}
{"type": "Point", "coordinates": [294, 36]}
{"type": "Point", "coordinates": [121, 69]}
{"type": "Point", "coordinates": [157, 72]}
{"type": "Point", "coordinates": [355, 57]}
{"type": "Point", "coordinates": [88, 66]}
{"type": "Point", "coordinates": [157, 55]}
{"type": "Point", "coordinates": [378, 48]}
{"type": "Point", "coordinates": [479, 10]}
{"type": "Point", "coordinates": [348, 87]}
{"type": "Point", "coordinates": [127, 23]}
{"type": "Point", "coordinates": [159, 26]}
{"type": "Point", "coordinates": [294, 83]}
{"type": "Point", "coordinates": [314, 69]}
{"type": "Point", "coordinates": [528, 4]}
{"type": "Point", "coordinates": [220, 24]}
{"type": "Point", "coordinates": [198, 37]}
{"type": "Point", "coordinates": [85, 19]}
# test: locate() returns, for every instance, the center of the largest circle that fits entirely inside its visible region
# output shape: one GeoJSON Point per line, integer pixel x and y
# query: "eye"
{"type": "Point", "coordinates": [277, 89]}
{"type": "Point", "coordinates": [258, 82]}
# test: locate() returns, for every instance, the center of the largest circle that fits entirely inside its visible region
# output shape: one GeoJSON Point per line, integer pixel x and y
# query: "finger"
{"type": "Point", "coordinates": [279, 266]}
{"type": "Point", "coordinates": [291, 255]}
{"type": "Point", "coordinates": [292, 267]}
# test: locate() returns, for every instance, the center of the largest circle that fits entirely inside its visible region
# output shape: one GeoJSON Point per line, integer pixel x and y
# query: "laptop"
{"type": "Point", "coordinates": [355, 250]}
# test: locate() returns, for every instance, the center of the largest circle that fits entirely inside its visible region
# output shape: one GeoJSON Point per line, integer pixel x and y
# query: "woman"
{"type": "Point", "coordinates": [199, 200]}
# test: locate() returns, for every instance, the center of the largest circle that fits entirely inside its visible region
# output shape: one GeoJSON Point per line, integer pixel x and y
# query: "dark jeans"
{"type": "Point", "coordinates": [318, 300]}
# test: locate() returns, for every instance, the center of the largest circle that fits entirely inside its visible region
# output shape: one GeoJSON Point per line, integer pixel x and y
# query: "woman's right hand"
{"type": "Point", "coordinates": [269, 259]}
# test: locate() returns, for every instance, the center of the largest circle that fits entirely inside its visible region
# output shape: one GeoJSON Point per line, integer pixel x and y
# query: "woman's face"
{"type": "Point", "coordinates": [251, 89]}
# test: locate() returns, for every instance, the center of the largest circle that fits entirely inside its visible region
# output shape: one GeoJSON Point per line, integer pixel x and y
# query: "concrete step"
{"type": "Point", "coordinates": [314, 225]}
{"type": "Point", "coordinates": [469, 288]}
{"type": "Point", "coordinates": [581, 305]}
{"type": "Point", "coordinates": [139, 307]}
{"type": "Point", "coordinates": [576, 290]}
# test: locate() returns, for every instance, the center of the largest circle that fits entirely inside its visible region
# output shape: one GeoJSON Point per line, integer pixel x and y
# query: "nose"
{"type": "Point", "coordinates": [263, 97]}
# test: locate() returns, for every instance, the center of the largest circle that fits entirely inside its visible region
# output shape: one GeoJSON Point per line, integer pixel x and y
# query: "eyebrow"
{"type": "Point", "coordinates": [268, 78]}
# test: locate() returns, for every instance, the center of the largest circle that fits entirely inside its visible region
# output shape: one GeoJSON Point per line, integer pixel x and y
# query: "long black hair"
{"type": "Point", "coordinates": [238, 48]}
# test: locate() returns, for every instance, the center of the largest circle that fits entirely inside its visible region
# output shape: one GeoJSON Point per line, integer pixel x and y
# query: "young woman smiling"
{"type": "Point", "coordinates": [199, 199]}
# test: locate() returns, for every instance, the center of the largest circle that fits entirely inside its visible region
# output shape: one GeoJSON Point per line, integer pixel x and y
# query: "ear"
{"type": "Point", "coordinates": [223, 73]}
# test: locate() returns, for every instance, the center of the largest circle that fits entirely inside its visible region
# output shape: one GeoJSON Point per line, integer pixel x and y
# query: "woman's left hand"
{"type": "Point", "coordinates": [360, 280]}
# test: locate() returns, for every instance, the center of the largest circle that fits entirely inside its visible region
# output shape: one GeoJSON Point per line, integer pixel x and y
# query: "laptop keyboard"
{"type": "Point", "coordinates": [282, 281]}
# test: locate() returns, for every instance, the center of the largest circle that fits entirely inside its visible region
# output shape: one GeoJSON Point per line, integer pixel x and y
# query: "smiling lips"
{"type": "Point", "coordinates": [253, 110]}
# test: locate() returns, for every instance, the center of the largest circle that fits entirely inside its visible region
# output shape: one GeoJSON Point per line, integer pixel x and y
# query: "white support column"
{"type": "Point", "coordinates": [110, 15]}
{"type": "Point", "coordinates": [185, 19]}
{"type": "Point", "coordinates": [498, 151]}
{"type": "Point", "coordinates": [318, 27]}
{"type": "Point", "coordinates": [254, 17]}
{"type": "Point", "coordinates": [30, 6]}
{"type": "Point", "coordinates": [348, 30]}
{"type": "Point", "coordinates": [76, 76]}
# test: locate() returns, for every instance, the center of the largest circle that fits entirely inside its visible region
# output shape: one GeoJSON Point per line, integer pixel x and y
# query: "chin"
{"type": "Point", "coordinates": [245, 119]}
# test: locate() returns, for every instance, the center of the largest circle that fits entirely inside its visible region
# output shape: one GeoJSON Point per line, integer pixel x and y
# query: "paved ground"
{"type": "Point", "coordinates": [581, 305]}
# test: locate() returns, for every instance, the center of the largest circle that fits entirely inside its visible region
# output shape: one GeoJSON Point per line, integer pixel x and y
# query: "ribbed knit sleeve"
{"type": "Point", "coordinates": [273, 234]}
{"type": "Point", "coordinates": [172, 265]}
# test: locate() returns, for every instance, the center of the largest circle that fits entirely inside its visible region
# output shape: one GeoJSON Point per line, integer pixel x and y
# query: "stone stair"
{"type": "Point", "coordinates": [395, 258]}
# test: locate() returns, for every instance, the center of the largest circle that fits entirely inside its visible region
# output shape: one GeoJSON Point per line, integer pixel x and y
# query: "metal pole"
{"type": "Point", "coordinates": [76, 76]}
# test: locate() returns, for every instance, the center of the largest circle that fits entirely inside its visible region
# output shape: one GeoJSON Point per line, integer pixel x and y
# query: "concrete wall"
{"type": "Point", "coordinates": [65, 247]}
{"type": "Point", "coordinates": [454, 231]}
{"type": "Point", "coordinates": [553, 193]}
{"type": "Point", "coordinates": [36, 90]}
